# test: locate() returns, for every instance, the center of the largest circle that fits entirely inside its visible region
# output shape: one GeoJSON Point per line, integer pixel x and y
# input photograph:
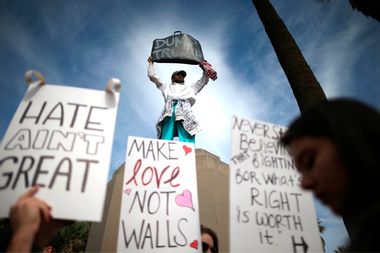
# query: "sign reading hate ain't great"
{"type": "Point", "coordinates": [60, 139]}
{"type": "Point", "coordinates": [159, 208]}
{"type": "Point", "coordinates": [269, 212]}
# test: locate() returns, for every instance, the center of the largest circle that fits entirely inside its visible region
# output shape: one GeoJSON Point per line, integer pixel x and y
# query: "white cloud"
{"type": "Point", "coordinates": [216, 103]}
{"type": "Point", "coordinates": [338, 57]}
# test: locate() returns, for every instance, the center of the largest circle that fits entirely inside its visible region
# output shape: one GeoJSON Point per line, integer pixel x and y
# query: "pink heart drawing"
{"type": "Point", "coordinates": [186, 149]}
{"type": "Point", "coordinates": [194, 244]}
{"type": "Point", "coordinates": [127, 191]}
{"type": "Point", "coordinates": [184, 200]}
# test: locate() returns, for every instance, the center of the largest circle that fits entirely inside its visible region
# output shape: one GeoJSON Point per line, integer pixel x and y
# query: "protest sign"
{"type": "Point", "coordinates": [159, 211]}
{"type": "Point", "coordinates": [269, 212]}
{"type": "Point", "coordinates": [60, 139]}
{"type": "Point", "coordinates": [177, 48]}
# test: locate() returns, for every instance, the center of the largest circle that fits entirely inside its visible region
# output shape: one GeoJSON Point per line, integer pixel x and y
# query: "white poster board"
{"type": "Point", "coordinates": [269, 212]}
{"type": "Point", "coordinates": [159, 211]}
{"type": "Point", "coordinates": [60, 138]}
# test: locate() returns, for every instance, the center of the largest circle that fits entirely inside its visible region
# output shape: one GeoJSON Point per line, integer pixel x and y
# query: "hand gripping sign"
{"type": "Point", "coordinates": [60, 139]}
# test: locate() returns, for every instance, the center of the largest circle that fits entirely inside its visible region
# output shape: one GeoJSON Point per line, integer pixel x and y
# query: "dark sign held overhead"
{"type": "Point", "coordinates": [177, 48]}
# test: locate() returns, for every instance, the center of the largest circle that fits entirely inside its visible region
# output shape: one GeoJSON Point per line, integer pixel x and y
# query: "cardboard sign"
{"type": "Point", "coordinates": [269, 212]}
{"type": "Point", "coordinates": [159, 211]}
{"type": "Point", "coordinates": [60, 138]}
{"type": "Point", "coordinates": [177, 48]}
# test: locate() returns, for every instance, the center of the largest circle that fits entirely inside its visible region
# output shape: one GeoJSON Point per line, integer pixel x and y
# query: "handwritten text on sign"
{"type": "Point", "coordinates": [159, 210]}
{"type": "Point", "coordinates": [60, 139]}
{"type": "Point", "coordinates": [268, 210]}
{"type": "Point", "coordinates": [177, 47]}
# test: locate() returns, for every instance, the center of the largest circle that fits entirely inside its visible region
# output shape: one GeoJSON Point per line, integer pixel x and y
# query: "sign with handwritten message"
{"type": "Point", "coordinates": [269, 212]}
{"type": "Point", "coordinates": [159, 211]}
{"type": "Point", "coordinates": [60, 138]}
{"type": "Point", "coordinates": [177, 48]}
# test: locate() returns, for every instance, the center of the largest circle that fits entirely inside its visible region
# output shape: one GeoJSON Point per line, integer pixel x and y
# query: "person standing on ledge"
{"type": "Point", "coordinates": [177, 118]}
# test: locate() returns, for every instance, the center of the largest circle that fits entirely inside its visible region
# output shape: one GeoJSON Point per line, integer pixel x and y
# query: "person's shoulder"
{"type": "Point", "coordinates": [367, 237]}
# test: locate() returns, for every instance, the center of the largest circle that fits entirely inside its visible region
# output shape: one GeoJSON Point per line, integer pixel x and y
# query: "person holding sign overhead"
{"type": "Point", "coordinates": [177, 118]}
{"type": "Point", "coordinates": [335, 146]}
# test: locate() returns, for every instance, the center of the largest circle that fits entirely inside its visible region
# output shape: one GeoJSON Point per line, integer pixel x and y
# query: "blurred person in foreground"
{"type": "Point", "coordinates": [335, 146]}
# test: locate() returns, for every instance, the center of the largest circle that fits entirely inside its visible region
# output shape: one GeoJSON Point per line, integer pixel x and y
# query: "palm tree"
{"type": "Point", "coordinates": [367, 7]}
{"type": "Point", "coordinates": [322, 229]}
{"type": "Point", "coordinates": [74, 237]}
{"type": "Point", "coordinates": [305, 86]}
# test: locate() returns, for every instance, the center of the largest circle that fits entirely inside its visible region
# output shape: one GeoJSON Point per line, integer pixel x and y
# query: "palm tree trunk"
{"type": "Point", "coordinates": [304, 84]}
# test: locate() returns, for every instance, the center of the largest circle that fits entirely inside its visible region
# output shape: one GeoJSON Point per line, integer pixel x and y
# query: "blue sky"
{"type": "Point", "coordinates": [86, 42]}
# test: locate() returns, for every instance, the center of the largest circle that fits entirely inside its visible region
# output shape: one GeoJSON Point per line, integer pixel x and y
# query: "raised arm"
{"type": "Point", "coordinates": [26, 217]}
{"type": "Point", "coordinates": [198, 85]}
{"type": "Point", "coordinates": [152, 76]}
{"type": "Point", "coordinates": [32, 223]}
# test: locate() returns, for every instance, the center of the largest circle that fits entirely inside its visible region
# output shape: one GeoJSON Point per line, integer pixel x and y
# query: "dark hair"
{"type": "Point", "coordinates": [354, 128]}
{"type": "Point", "coordinates": [207, 230]}
{"type": "Point", "coordinates": [179, 72]}
{"type": "Point", "coordinates": [310, 124]}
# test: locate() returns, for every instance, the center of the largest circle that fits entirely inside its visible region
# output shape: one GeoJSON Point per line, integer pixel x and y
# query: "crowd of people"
{"type": "Point", "coordinates": [335, 145]}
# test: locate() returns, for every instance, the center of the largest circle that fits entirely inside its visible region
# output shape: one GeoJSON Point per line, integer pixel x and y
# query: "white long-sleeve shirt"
{"type": "Point", "coordinates": [185, 95]}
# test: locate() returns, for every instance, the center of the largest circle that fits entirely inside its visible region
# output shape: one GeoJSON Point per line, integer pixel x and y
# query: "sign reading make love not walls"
{"type": "Point", "coordinates": [159, 211]}
{"type": "Point", "coordinates": [269, 212]}
{"type": "Point", "coordinates": [60, 139]}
